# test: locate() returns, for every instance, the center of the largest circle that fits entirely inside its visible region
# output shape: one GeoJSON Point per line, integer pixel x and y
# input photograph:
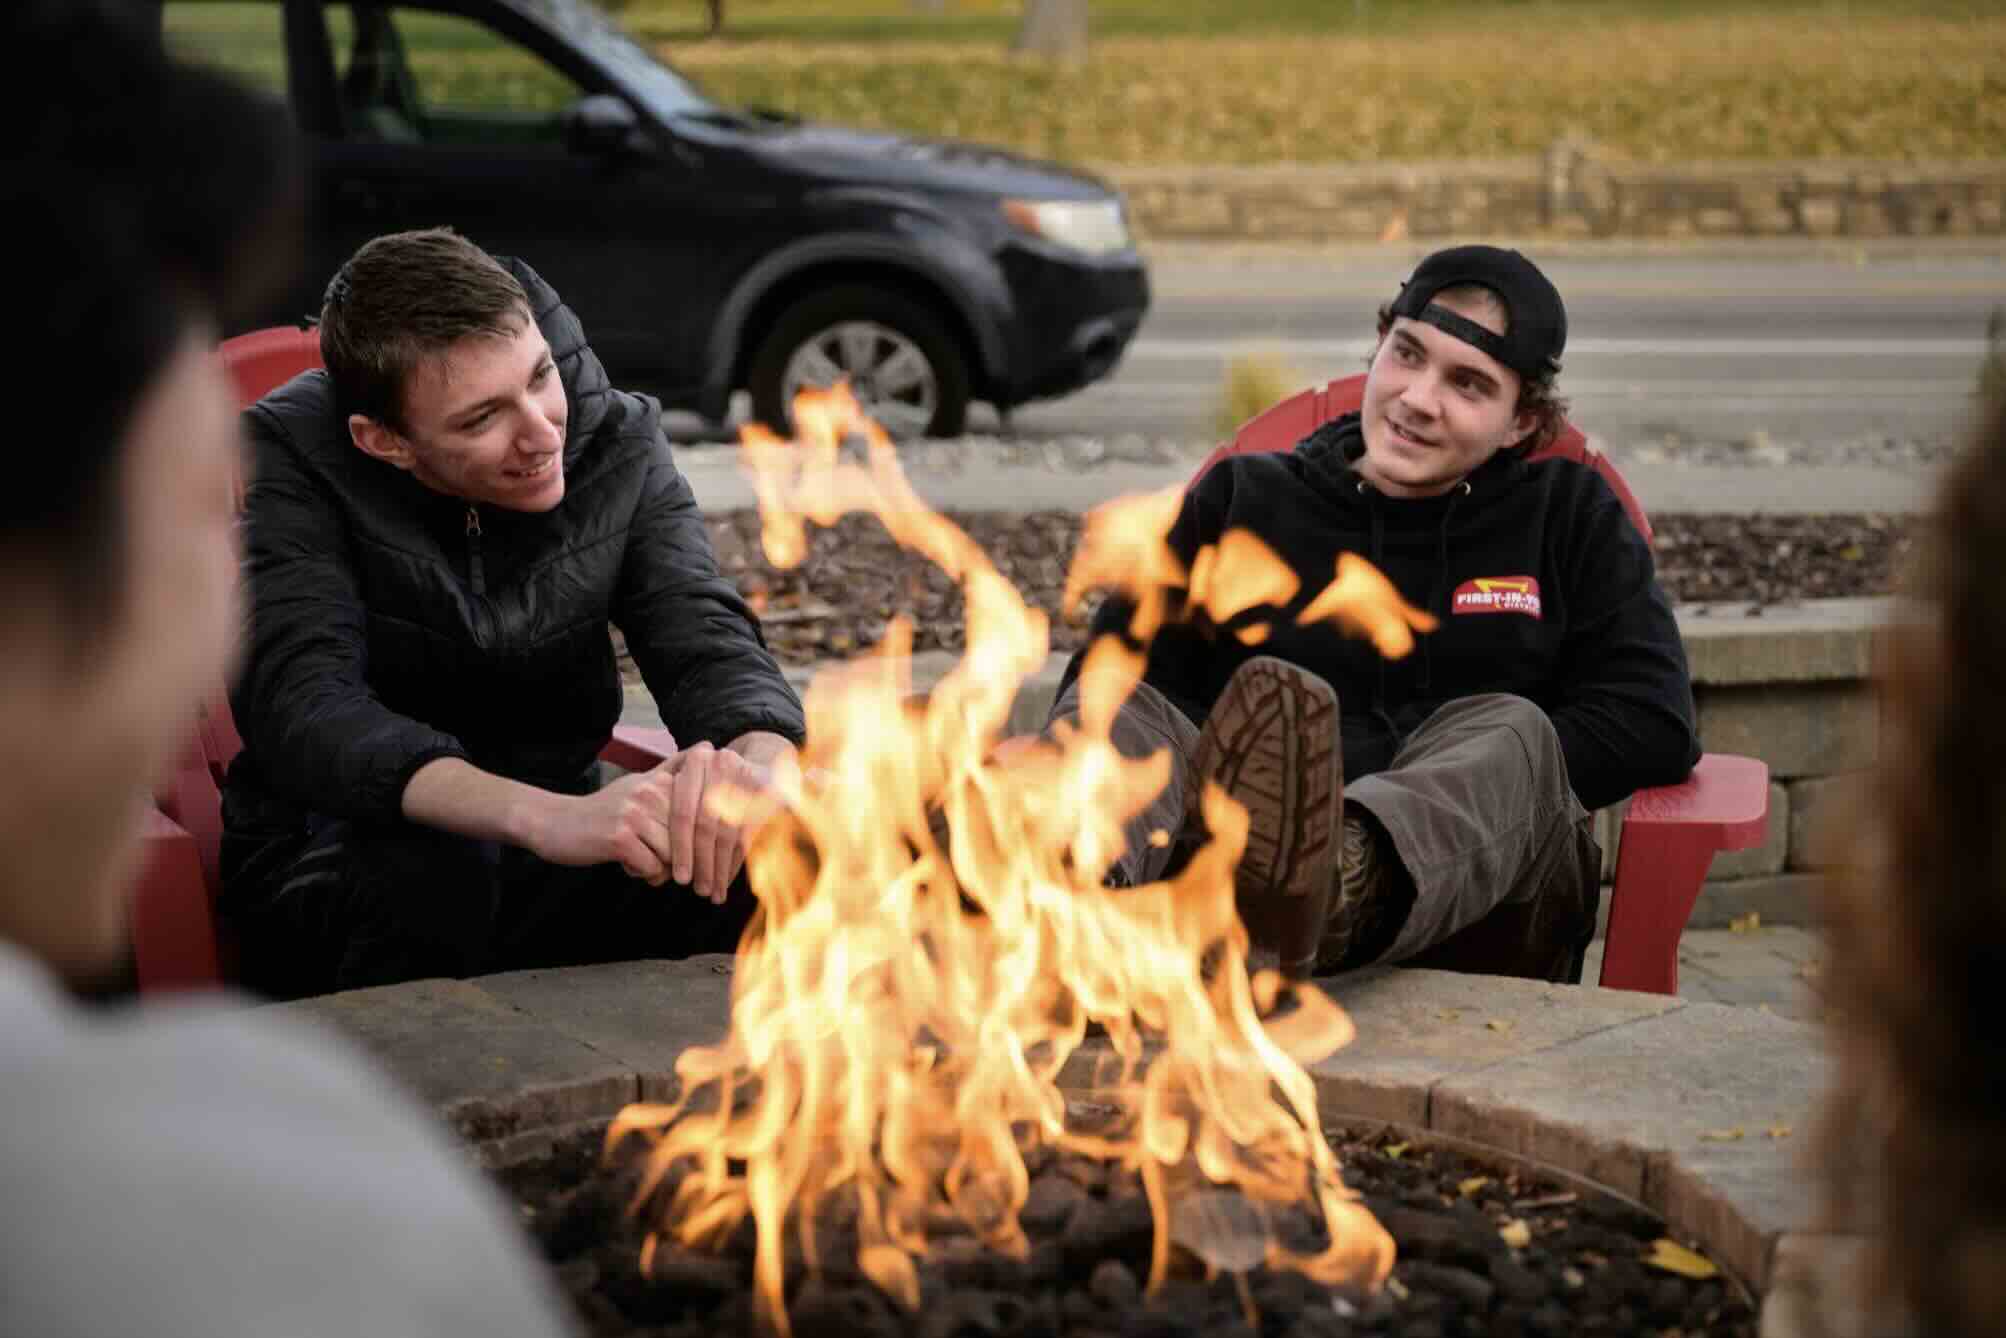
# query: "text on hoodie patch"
{"type": "Point", "coordinates": [1497, 594]}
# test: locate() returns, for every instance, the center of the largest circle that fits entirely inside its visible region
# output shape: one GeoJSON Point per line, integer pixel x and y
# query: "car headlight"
{"type": "Point", "coordinates": [1093, 226]}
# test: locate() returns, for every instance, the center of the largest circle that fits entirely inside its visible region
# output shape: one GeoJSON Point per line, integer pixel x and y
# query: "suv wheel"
{"type": "Point", "coordinates": [906, 370]}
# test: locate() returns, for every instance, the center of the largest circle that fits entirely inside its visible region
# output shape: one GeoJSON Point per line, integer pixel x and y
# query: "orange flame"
{"type": "Point", "coordinates": [903, 1005]}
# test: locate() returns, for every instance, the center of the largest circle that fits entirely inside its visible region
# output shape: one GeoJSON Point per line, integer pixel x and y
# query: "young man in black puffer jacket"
{"type": "Point", "coordinates": [1434, 809]}
{"type": "Point", "coordinates": [439, 528]}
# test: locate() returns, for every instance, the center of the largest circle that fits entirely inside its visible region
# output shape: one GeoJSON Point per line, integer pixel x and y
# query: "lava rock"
{"type": "Point", "coordinates": [1050, 1202]}
{"type": "Point", "coordinates": [1465, 1288]}
{"type": "Point", "coordinates": [1108, 1229]}
{"type": "Point", "coordinates": [1113, 1285]}
{"type": "Point", "coordinates": [823, 1310]}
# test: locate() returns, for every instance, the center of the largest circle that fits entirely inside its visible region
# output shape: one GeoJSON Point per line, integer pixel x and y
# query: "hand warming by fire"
{"type": "Point", "coordinates": [934, 938]}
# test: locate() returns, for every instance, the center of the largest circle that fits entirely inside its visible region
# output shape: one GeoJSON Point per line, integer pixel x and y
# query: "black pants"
{"type": "Point", "coordinates": [361, 904]}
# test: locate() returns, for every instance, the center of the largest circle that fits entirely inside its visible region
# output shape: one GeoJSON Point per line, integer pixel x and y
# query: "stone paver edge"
{"type": "Point", "coordinates": [1708, 1214]}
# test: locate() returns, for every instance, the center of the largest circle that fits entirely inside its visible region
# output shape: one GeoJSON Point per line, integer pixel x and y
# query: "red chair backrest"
{"type": "Point", "coordinates": [257, 363]}
{"type": "Point", "coordinates": [263, 360]}
{"type": "Point", "coordinates": [1281, 427]}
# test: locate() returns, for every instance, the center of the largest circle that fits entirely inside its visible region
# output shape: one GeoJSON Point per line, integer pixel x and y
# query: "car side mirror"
{"type": "Point", "coordinates": [600, 123]}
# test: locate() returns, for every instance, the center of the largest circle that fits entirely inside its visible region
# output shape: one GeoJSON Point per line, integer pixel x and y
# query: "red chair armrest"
{"type": "Point", "coordinates": [1670, 836]}
{"type": "Point", "coordinates": [173, 928]}
{"type": "Point", "coordinates": [1725, 793]}
{"type": "Point", "coordinates": [638, 747]}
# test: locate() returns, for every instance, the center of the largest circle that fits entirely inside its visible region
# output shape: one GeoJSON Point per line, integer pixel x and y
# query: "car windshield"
{"type": "Point", "coordinates": [665, 93]}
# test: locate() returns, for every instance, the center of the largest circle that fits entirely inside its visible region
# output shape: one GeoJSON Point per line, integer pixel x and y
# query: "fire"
{"type": "Point", "coordinates": [933, 937]}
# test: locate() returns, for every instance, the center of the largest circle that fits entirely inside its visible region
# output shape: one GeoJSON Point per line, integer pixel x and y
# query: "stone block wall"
{"type": "Point", "coordinates": [1792, 687]}
{"type": "Point", "coordinates": [1570, 192]}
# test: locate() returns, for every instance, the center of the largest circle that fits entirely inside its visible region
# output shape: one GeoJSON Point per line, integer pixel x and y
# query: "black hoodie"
{"type": "Point", "coordinates": [1542, 586]}
{"type": "Point", "coordinates": [388, 629]}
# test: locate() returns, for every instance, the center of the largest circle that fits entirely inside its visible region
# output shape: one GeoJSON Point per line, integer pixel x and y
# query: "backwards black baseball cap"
{"type": "Point", "coordinates": [1536, 324]}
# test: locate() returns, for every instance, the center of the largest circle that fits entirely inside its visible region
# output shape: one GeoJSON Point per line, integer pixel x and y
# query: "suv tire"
{"type": "Point", "coordinates": [865, 332]}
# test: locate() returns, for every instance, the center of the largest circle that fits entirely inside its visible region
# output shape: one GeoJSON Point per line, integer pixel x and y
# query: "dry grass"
{"type": "Point", "coordinates": [1252, 383]}
{"type": "Point", "coordinates": [1652, 88]}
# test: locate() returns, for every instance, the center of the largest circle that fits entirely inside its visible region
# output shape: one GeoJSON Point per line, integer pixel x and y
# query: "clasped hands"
{"type": "Point", "coordinates": [662, 825]}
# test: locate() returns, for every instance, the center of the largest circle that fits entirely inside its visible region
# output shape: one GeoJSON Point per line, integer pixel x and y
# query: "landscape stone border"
{"type": "Point", "coordinates": [1697, 1110]}
{"type": "Point", "coordinates": [1570, 191]}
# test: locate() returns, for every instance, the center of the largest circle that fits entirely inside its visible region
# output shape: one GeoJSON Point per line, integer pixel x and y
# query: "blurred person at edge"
{"type": "Point", "coordinates": [1913, 1134]}
{"type": "Point", "coordinates": [189, 1170]}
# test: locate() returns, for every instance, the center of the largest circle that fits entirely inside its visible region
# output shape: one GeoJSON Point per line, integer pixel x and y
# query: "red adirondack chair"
{"type": "Point", "coordinates": [176, 942]}
{"type": "Point", "coordinates": [1670, 834]}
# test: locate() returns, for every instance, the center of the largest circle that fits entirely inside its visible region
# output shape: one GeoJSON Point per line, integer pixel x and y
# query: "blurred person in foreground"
{"type": "Point", "coordinates": [187, 1170]}
{"type": "Point", "coordinates": [441, 529]}
{"type": "Point", "coordinates": [1913, 1136]}
{"type": "Point", "coordinates": [1432, 810]}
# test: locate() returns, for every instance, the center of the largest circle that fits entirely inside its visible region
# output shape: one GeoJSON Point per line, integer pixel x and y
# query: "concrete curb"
{"type": "Point", "coordinates": [1640, 1093]}
{"type": "Point", "coordinates": [959, 478]}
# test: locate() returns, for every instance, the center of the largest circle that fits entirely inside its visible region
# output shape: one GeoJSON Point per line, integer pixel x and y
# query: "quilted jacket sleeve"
{"type": "Point", "coordinates": [697, 643]}
{"type": "Point", "coordinates": [303, 704]}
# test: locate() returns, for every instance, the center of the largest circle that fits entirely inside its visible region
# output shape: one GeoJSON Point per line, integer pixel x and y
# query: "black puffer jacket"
{"type": "Point", "coordinates": [1542, 586]}
{"type": "Point", "coordinates": [385, 632]}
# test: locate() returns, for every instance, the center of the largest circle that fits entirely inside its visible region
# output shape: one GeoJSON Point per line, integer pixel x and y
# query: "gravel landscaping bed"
{"type": "Point", "coordinates": [1484, 1246]}
{"type": "Point", "coordinates": [856, 579]}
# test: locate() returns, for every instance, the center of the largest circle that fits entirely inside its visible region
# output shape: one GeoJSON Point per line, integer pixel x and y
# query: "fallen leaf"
{"type": "Point", "coordinates": [1472, 1185]}
{"type": "Point", "coordinates": [1733, 1135]}
{"type": "Point", "coordinates": [1573, 1278]}
{"type": "Point", "coordinates": [1398, 1288]}
{"type": "Point", "coordinates": [1451, 1014]}
{"type": "Point", "coordinates": [1672, 1257]}
{"type": "Point", "coordinates": [1395, 1150]}
{"type": "Point", "coordinates": [1779, 1131]}
{"type": "Point", "coordinates": [1516, 1234]}
{"type": "Point", "coordinates": [1498, 1024]}
{"type": "Point", "coordinates": [1745, 924]}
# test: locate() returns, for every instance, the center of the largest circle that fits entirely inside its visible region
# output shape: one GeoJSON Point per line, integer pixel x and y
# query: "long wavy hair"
{"type": "Point", "coordinates": [1913, 1138]}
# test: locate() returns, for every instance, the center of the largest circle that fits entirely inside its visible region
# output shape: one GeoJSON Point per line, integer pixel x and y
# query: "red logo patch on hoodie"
{"type": "Point", "coordinates": [1497, 594]}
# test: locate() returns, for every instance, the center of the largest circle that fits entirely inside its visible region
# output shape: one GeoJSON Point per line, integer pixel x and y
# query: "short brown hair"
{"type": "Point", "coordinates": [1539, 396]}
{"type": "Point", "coordinates": [402, 298]}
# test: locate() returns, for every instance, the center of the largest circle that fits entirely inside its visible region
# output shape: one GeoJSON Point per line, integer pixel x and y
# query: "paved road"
{"type": "Point", "coordinates": [1806, 345]}
{"type": "Point", "coordinates": [1840, 361]}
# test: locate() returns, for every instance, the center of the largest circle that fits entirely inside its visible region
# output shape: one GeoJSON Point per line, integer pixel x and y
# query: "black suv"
{"type": "Point", "coordinates": [707, 249]}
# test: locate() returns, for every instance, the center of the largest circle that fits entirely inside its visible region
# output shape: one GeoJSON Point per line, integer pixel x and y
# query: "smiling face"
{"type": "Point", "coordinates": [483, 421]}
{"type": "Point", "coordinates": [1436, 408]}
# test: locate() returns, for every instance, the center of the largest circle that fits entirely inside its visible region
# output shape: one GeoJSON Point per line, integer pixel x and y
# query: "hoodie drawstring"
{"type": "Point", "coordinates": [1377, 556]}
{"type": "Point", "coordinates": [1441, 580]}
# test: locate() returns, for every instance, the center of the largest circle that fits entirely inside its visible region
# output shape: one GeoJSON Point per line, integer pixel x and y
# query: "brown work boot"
{"type": "Point", "coordinates": [1271, 742]}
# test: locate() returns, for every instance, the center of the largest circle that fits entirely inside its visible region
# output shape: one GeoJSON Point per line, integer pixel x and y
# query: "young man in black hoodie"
{"type": "Point", "coordinates": [1431, 810]}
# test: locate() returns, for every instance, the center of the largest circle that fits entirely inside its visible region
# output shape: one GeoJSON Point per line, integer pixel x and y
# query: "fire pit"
{"type": "Point", "coordinates": [882, 1135]}
{"type": "Point", "coordinates": [1487, 1244]}
{"type": "Point", "coordinates": [1671, 1104]}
